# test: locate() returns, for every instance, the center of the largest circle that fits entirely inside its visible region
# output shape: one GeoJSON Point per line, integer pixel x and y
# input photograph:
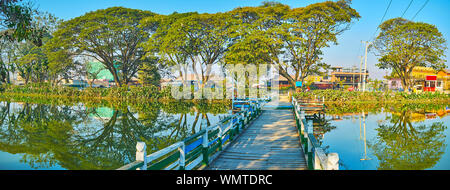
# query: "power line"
{"type": "Point", "coordinates": [382, 19]}
{"type": "Point", "coordinates": [420, 10]}
{"type": "Point", "coordinates": [407, 8]}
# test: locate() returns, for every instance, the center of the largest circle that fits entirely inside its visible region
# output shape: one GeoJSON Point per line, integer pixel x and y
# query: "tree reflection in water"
{"type": "Point", "coordinates": [402, 145]}
{"type": "Point", "coordinates": [76, 137]}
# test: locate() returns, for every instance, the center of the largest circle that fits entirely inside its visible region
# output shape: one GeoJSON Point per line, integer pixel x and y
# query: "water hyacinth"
{"type": "Point", "coordinates": [375, 96]}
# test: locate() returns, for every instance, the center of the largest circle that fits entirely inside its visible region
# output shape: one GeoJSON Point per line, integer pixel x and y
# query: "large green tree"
{"type": "Point", "coordinates": [290, 39]}
{"type": "Point", "coordinates": [403, 44]}
{"type": "Point", "coordinates": [197, 40]}
{"type": "Point", "coordinates": [112, 36]}
{"type": "Point", "coordinates": [33, 62]}
{"type": "Point", "coordinates": [7, 59]}
{"type": "Point", "coordinates": [161, 46]}
{"type": "Point", "coordinates": [308, 31]}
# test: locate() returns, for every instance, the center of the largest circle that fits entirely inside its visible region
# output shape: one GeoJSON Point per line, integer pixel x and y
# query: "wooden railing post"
{"type": "Point", "coordinates": [141, 153]}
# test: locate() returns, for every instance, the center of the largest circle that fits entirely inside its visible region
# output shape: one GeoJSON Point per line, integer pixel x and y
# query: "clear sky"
{"type": "Point", "coordinates": [346, 53]}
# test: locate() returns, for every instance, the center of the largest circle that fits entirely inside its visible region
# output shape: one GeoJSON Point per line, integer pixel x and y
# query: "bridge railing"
{"type": "Point", "coordinates": [316, 156]}
{"type": "Point", "coordinates": [199, 149]}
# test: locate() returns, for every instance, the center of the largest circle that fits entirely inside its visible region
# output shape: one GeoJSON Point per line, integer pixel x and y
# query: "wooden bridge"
{"type": "Point", "coordinates": [261, 136]}
{"type": "Point", "coordinates": [271, 142]}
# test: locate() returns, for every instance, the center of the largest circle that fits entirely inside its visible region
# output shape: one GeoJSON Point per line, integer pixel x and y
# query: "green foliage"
{"type": "Point", "coordinates": [377, 96]}
{"type": "Point", "coordinates": [403, 45]}
{"type": "Point", "coordinates": [111, 35]}
{"type": "Point", "coordinates": [148, 73]}
{"type": "Point", "coordinates": [191, 40]}
{"type": "Point", "coordinates": [297, 36]}
{"type": "Point", "coordinates": [16, 22]}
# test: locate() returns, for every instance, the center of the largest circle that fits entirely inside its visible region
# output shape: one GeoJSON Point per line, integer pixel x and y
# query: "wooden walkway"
{"type": "Point", "coordinates": [271, 142]}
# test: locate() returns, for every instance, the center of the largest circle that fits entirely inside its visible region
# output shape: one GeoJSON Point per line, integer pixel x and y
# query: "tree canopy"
{"type": "Point", "coordinates": [16, 22]}
{"type": "Point", "coordinates": [112, 36]}
{"type": "Point", "coordinates": [290, 39]}
{"type": "Point", "coordinates": [403, 45]}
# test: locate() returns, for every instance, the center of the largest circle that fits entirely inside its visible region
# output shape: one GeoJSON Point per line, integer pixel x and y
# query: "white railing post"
{"type": "Point", "coordinates": [182, 149]}
{"type": "Point", "coordinates": [332, 161]}
{"type": "Point", "coordinates": [317, 165]}
{"type": "Point", "coordinates": [141, 153]}
{"type": "Point", "coordinates": [310, 127]}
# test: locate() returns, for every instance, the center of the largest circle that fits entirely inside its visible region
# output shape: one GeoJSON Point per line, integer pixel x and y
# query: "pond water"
{"type": "Point", "coordinates": [389, 138]}
{"type": "Point", "coordinates": [40, 136]}
{"type": "Point", "coordinates": [86, 137]}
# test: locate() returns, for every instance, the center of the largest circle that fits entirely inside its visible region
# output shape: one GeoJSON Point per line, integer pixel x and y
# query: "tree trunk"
{"type": "Point", "coordinates": [116, 79]}
{"type": "Point", "coordinates": [404, 85]}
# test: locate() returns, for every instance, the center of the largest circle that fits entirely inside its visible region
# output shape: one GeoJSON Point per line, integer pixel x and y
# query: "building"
{"type": "Point", "coordinates": [99, 75]}
{"type": "Point", "coordinates": [424, 79]}
{"type": "Point", "coordinates": [348, 77]}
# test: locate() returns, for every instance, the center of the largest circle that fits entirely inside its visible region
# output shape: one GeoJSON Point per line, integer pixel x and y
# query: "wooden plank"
{"type": "Point", "coordinates": [271, 142]}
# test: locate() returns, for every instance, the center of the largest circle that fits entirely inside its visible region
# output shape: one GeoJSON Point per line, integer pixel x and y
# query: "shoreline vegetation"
{"type": "Point", "coordinates": [150, 94]}
{"type": "Point", "coordinates": [346, 97]}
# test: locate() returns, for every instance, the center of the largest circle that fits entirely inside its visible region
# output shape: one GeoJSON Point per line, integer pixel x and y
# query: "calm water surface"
{"type": "Point", "coordinates": [39, 136]}
{"type": "Point", "coordinates": [403, 138]}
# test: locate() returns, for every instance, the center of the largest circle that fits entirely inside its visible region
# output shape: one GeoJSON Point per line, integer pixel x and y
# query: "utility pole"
{"type": "Point", "coordinates": [365, 64]}
{"type": "Point", "coordinates": [360, 74]}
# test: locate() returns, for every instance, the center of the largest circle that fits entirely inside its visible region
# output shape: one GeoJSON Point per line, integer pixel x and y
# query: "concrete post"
{"type": "Point", "coordinates": [141, 153]}
{"type": "Point", "coordinates": [310, 127]}
{"type": "Point", "coordinates": [332, 161]}
{"type": "Point", "coordinates": [182, 156]}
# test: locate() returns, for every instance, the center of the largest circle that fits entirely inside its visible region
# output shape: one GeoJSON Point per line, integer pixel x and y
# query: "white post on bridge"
{"type": "Point", "coordinates": [332, 161]}
{"type": "Point", "coordinates": [182, 160]}
{"type": "Point", "coordinates": [141, 153]}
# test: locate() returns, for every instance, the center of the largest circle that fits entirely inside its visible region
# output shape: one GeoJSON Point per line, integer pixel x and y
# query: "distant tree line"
{"type": "Point", "coordinates": [137, 43]}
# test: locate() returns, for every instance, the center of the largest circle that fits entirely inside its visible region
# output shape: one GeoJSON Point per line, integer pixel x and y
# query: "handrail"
{"type": "Point", "coordinates": [199, 149]}
{"type": "Point", "coordinates": [316, 156]}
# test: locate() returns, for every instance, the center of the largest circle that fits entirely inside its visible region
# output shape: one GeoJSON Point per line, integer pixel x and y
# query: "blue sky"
{"type": "Point", "coordinates": [346, 53]}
